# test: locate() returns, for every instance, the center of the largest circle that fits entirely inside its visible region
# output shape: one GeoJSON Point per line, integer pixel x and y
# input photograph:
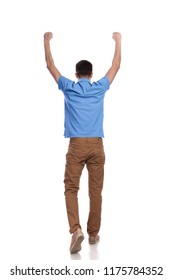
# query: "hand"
{"type": "Point", "coordinates": [116, 36]}
{"type": "Point", "coordinates": [48, 36]}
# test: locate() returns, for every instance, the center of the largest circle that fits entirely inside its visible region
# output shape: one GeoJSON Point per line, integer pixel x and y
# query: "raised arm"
{"type": "Point", "coordinates": [48, 56]}
{"type": "Point", "coordinates": [116, 59]}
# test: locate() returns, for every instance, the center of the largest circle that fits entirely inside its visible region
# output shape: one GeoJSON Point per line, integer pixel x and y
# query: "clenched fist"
{"type": "Point", "coordinates": [116, 36]}
{"type": "Point", "coordinates": [48, 36]}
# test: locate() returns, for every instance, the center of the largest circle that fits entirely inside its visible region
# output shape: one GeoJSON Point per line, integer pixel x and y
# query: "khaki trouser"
{"type": "Point", "coordinates": [83, 151]}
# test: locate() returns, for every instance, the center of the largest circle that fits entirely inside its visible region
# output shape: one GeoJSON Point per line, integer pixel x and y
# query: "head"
{"type": "Point", "coordinates": [84, 69]}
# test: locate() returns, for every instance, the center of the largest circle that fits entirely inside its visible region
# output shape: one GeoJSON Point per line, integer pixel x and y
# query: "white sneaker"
{"type": "Point", "coordinates": [76, 241]}
{"type": "Point", "coordinates": [94, 239]}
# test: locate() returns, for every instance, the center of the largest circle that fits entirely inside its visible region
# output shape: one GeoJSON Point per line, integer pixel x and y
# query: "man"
{"type": "Point", "coordinates": [84, 126]}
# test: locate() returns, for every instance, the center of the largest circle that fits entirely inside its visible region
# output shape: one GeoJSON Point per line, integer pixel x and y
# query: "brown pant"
{"type": "Point", "coordinates": [83, 151]}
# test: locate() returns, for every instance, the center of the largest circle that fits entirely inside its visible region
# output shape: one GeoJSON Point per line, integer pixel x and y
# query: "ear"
{"type": "Point", "coordinates": [91, 75]}
{"type": "Point", "coordinates": [77, 76]}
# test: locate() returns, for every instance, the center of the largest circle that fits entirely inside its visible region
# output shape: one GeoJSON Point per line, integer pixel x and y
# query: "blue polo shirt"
{"type": "Point", "coordinates": [83, 106]}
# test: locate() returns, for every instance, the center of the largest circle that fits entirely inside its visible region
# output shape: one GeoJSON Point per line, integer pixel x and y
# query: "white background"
{"type": "Point", "coordinates": [137, 198]}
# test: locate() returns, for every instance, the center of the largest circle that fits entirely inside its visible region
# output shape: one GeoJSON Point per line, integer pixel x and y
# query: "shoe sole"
{"type": "Point", "coordinates": [76, 247]}
{"type": "Point", "coordinates": [93, 240]}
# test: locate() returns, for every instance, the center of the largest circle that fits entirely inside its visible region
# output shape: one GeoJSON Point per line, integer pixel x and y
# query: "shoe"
{"type": "Point", "coordinates": [94, 239]}
{"type": "Point", "coordinates": [76, 241]}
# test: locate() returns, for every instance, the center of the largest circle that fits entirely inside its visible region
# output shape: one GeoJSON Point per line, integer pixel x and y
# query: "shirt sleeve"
{"type": "Point", "coordinates": [104, 82]}
{"type": "Point", "coordinates": [63, 83]}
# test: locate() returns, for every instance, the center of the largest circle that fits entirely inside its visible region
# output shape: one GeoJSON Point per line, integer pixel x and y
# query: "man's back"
{"type": "Point", "coordinates": [83, 106]}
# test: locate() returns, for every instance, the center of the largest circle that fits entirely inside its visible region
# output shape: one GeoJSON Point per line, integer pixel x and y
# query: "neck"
{"type": "Point", "coordinates": [85, 77]}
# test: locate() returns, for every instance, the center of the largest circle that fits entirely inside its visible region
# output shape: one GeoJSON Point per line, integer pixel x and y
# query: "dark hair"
{"type": "Point", "coordinates": [84, 68]}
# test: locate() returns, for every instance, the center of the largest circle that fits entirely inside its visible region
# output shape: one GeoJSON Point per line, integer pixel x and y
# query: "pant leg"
{"type": "Point", "coordinates": [73, 171]}
{"type": "Point", "coordinates": [95, 166]}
